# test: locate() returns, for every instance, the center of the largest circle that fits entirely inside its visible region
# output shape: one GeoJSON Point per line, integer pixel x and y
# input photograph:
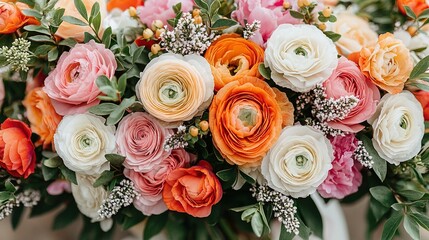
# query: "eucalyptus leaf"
{"type": "Point", "coordinates": [74, 21]}
{"type": "Point", "coordinates": [391, 225]}
{"type": "Point", "coordinates": [115, 159]}
{"type": "Point", "coordinates": [383, 194]}
{"type": "Point", "coordinates": [80, 6]}
{"type": "Point", "coordinates": [420, 67]}
{"type": "Point", "coordinates": [68, 174]}
{"type": "Point", "coordinates": [223, 23]}
{"type": "Point", "coordinates": [103, 109]}
{"type": "Point", "coordinates": [421, 219]}
{"type": "Point", "coordinates": [411, 227]}
{"type": "Point", "coordinates": [104, 178]}
{"type": "Point", "coordinates": [257, 224]}
{"type": "Point", "coordinates": [53, 162]}
{"type": "Point", "coordinates": [264, 71]}
{"type": "Point", "coordinates": [154, 225]}
{"type": "Point", "coordinates": [410, 13]}
{"type": "Point", "coordinates": [227, 175]}
{"type": "Point", "coordinates": [38, 29]}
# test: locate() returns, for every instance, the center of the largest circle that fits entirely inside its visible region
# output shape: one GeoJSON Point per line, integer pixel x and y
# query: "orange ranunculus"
{"type": "Point", "coordinates": [192, 190]}
{"type": "Point", "coordinates": [232, 57]}
{"type": "Point", "coordinates": [246, 118]}
{"type": "Point", "coordinates": [123, 4]}
{"type": "Point", "coordinates": [11, 18]}
{"type": "Point", "coordinates": [423, 98]}
{"type": "Point", "coordinates": [388, 63]}
{"type": "Point", "coordinates": [17, 154]}
{"type": "Point", "coordinates": [416, 5]}
{"type": "Point", "coordinates": [42, 116]}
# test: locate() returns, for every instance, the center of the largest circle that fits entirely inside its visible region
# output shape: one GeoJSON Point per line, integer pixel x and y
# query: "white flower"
{"type": "Point", "coordinates": [398, 125]}
{"type": "Point", "coordinates": [299, 161]}
{"type": "Point", "coordinates": [175, 88]}
{"type": "Point", "coordinates": [87, 197]}
{"type": "Point", "coordinates": [120, 21]}
{"type": "Point", "coordinates": [300, 57]}
{"type": "Point", "coordinates": [419, 42]}
{"type": "Point", "coordinates": [82, 140]}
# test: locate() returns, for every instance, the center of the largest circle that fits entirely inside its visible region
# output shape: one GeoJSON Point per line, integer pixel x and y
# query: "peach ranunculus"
{"type": "Point", "coordinates": [246, 118]}
{"type": "Point", "coordinates": [16, 149]}
{"type": "Point", "coordinates": [71, 85]}
{"type": "Point", "coordinates": [68, 30]}
{"type": "Point", "coordinates": [11, 18]}
{"type": "Point", "coordinates": [416, 5]}
{"type": "Point", "coordinates": [355, 33]}
{"type": "Point", "coordinates": [192, 190]}
{"type": "Point", "coordinates": [231, 57]}
{"type": "Point", "coordinates": [123, 4]}
{"type": "Point", "coordinates": [42, 116]}
{"type": "Point", "coordinates": [423, 98]}
{"type": "Point", "coordinates": [388, 63]}
{"type": "Point", "coordinates": [150, 184]}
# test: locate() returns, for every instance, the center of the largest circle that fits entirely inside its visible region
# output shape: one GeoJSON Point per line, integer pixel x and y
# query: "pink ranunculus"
{"type": "Point", "coordinates": [58, 187]}
{"type": "Point", "coordinates": [161, 10]}
{"type": "Point", "coordinates": [348, 80]}
{"type": "Point", "coordinates": [269, 12]}
{"type": "Point", "coordinates": [150, 184]}
{"type": "Point", "coordinates": [140, 138]}
{"type": "Point", "coordinates": [71, 85]}
{"type": "Point", "coordinates": [344, 178]}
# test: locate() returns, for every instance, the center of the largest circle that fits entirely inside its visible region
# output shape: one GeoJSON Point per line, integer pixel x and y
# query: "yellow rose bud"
{"type": "Point", "coordinates": [193, 131]}
{"type": "Point", "coordinates": [327, 12]}
{"type": "Point", "coordinates": [155, 48]}
{"type": "Point", "coordinates": [132, 11]}
{"type": "Point", "coordinates": [196, 12]}
{"type": "Point", "coordinates": [147, 33]}
{"type": "Point", "coordinates": [159, 32]}
{"type": "Point", "coordinates": [198, 19]}
{"type": "Point", "coordinates": [322, 26]}
{"type": "Point", "coordinates": [303, 3]}
{"type": "Point", "coordinates": [286, 5]}
{"type": "Point", "coordinates": [204, 125]}
{"type": "Point", "coordinates": [157, 24]}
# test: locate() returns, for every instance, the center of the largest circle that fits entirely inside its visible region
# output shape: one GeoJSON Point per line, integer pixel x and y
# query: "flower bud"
{"type": "Point", "coordinates": [303, 3]}
{"type": "Point", "coordinates": [196, 12]}
{"type": "Point", "coordinates": [159, 32]}
{"type": "Point", "coordinates": [322, 26]}
{"type": "Point", "coordinates": [204, 125]}
{"type": "Point", "coordinates": [155, 48]}
{"type": "Point", "coordinates": [157, 24]}
{"type": "Point", "coordinates": [412, 30]}
{"type": "Point", "coordinates": [327, 12]}
{"type": "Point", "coordinates": [286, 5]}
{"type": "Point", "coordinates": [198, 19]}
{"type": "Point", "coordinates": [132, 11]}
{"type": "Point", "coordinates": [193, 131]}
{"type": "Point", "coordinates": [147, 33]}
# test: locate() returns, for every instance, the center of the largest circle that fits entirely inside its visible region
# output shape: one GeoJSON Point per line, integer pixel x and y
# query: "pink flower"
{"type": "Point", "coordinates": [344, 178]}
{"type": "Point", "coordinates": [58, 187]}
{"type": "Point", "coordinates": [348, 80]}
{"type": "Point", "coordinates": [71, 85]}
{"type": "Point", "coordinates": [140, 138]}
{"type": "Point", "coordinates": [161, 10]}
{"type": "Point", "coordinates": [151, 184]}
{"type": "Point", "coordinates": [269, 12]}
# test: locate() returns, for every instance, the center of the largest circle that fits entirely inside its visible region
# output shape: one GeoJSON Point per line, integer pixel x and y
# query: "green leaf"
{"type": "Point", "coordinates": [214, 7]}
{"type": "Point", "coordinates": [421, 86]}
{"type": "Point", "coordinates": [137, 54]}
{"type": "Point", "coordinates": [411, 227]}
{"type": "Point", "coordinates": [285, 235]}
{"type": "Point", "coordinates": [227, 175]}
{"type": "Point", "coordinates": [115, 116]}
{"type": "Point", "coordinates": [68, 174]}
{"type": "Point", "coordinates": [410, 13]}
{"type": "Point", "coordinates": [67, 216]}
{"type": "Point", "coordinates": [103, 81]}
{"type": "Point", "coordinates": [96, 22]}
{"type": "Point", "coordinates": [41, 38]}
{"type": "Point", "coordinates": [248, 214]}
{"type": "Point", "coordinates": [383, 194]}
{"type": "Point", "coordinates": [69, 42]}
{"type": "Point", "coordinates": [9, 186]}
{"type": "Point", "coordinates": [240, 209]}
{"type": "Point", "coordinates": [332, 35]}
{"type": "Point", "coordinates": [74, 21]}
{"type": "Point", "coordinates": [296, 14]}
{"type": "Point", "coordinates": [95, 10]}
{"type": "Point", "coordinates": [420, 68]}
{"type": "Point", "coordinates": [53, 162]}
{"type": "Point", "coordinates": [423, 15]}
{"type": "Point", "coordinates": [202, 4]}
{"type": "Point", "coordinates": [380, 165]}
{"type": "Point", "coordinates": [49, 173]}
{"type": "Point", "coordinates": [107, 37]}
{"type": "Point", "coordinates": [38, 29]}
{"type": "Point", "coordinates": [421, 219]}
{"type": "Point", "coordinates": [43, 50]}
{"type": "Point", "coordinates": [257, 224]}
{"type": "Point", "coordinates": [377, 209]}
{"type": "Point", "coordinates": [115, 159]}
{"type": "Point", "coordinates": [53, 54]}
{"type": "Point", "coordinates": [154, 225]}
{"type": "Point", "coordinates": [32, 13]}
{"type": "Point", "coordinates": [310, 215]}
{"type": "Point", "coordinates": [4, 196]}
{"type": "Point", "coordinates": [248, 178]}
{"type": "Point", "coordinates": [264, 71]}
{"type": "Point", "coordinates": [103, 109]}
{"type": "Point", "coordinates": [81, 8]}
{"type": "Point", "coordinates": [177, 8]}
{"type": "Point", "coordinates": [16, 216]}
{"type": "Point", "coordinates": [223, 23]}
{"type": "Point", "coordinates": [391, 226]}
{"type": "Point", "coordinates": [411, 194]}
{"type": "Point", "coordinates": [104, 178]}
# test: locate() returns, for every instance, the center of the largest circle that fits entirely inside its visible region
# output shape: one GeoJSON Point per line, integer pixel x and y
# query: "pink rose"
{"type": "Point", "coordinates": [161, 10]}
{"type": "Point", "coordinates": [71, 85]}
{"type": "Point", "coordinates": [348, 80]}
{"type": "Point", "coordinates": [140, 138]}
{"type": "Point", "coordinates": [269, 12]}
{"type": "Point", "coordinates": [344, 178]}
{"type": "Point", "coordinates": [151, 184]}
{"type": "Point", "coordinates": [58, 187]}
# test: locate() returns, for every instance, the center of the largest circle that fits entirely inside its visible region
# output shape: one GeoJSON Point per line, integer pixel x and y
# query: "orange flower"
{"type": "Point", "coordinates": [42, 116]}
{"type": "Point", "coordinates": [246, 118]}
{"type": "Point", "coordinates": [192, 190]}
{"type": "Point", "coordinates": [388, 63]}
{"type": "Point", "coordinates": [416, 5]}
{"type": "Point", "coordinates": [123, 4]}
{"type": "Point", "coordinates": [16, 149]}
{"type": "Point", "coordinates": [11, 18]}
{"type": "Point", "coordinates": [423, 98]}
{"type": "Point", "coordinates": [232, 57]}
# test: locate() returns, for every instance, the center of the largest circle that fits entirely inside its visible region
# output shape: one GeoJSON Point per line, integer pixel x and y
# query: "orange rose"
{"type": "Point", "coordinates": [123, 4]}
{"type": "Point", "coordinates": [388, 63]}
{"type": "Point", "coordinates": [416, 5]}
{"type": "Point", "coordinates": [232, 57]}
{"type": "Point", "coordinates": [423, 98]}
{"type": "Point", "coordinates": [42, 116]}
{"type": "Point", "coordinates": [246, 118]}
{"type": "Point", "coordinates": [16, 149]}
{"type": "Point", "coordinates": [192, 190]}
{"type": "Point", "coordinates": [11, 18]}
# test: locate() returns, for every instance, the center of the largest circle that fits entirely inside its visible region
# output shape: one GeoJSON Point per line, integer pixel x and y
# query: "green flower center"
{"type": "Point", "coordinates": [247, 116]}
{"type": "Point", "coordinates": [301, 51]}
{"type": "Point", "coordinates": [301, 160]}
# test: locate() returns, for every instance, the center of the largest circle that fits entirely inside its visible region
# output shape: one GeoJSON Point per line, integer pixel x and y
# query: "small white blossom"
{"type": "Point", "coordinates": [18, 55]}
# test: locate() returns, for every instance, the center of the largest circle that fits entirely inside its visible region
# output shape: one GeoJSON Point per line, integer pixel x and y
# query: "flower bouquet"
{"type": "Point", "coordinates": [212, 119]}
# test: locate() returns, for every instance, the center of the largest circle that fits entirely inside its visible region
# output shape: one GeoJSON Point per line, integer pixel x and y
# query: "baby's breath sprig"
{"type": "Point", "coordinates": [28, 198]}
{"type": "Point", "coordinates": [18, 55]}
{"type": "Point", "coordinates": [250, 29]}
{"type": "Point", "coordinates": [362, 155]}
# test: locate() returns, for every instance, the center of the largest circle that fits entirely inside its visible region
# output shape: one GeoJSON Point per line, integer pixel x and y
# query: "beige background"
{"type": "Point", "coordinates": [39, 228]}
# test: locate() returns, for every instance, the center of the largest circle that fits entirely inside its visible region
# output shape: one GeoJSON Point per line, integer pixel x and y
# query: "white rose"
{"type": "Point", "coordinates": [120, 21]}
{"type": "Point", "coordinates": [398, 125]}
{"type": "Point", "coordinates": [82, 140]}
{"type": "Point", "coordinates": [175, 88]}
{"type": "Point", "coordinates": [300, 57]}
{"type": "Point", "coordinates": [299, 161]}
{"type": "Point", "coordinates": [419, 42]}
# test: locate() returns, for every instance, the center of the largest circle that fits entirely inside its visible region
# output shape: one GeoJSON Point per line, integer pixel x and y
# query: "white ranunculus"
{"type": "Point", "coordinates": [175, 88]}
{"type": "Point", "coordinates": [300, 57]}
{"type": "Point", "coordinates": [87, 197]}
{"type": "Point", "coordinates": [121, 21]}
{"type": "Point", "coordinates": [82, 140]}
{"type": "Point", "coordinates": [299, 161]}
{"type": "Point", "coordinates": [398, 125]}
